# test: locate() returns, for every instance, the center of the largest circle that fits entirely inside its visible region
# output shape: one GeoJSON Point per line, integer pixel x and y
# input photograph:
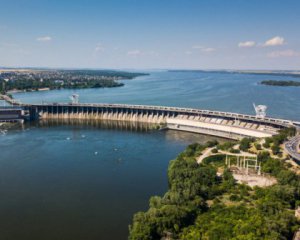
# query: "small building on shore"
{"type": "Point", "coordinates": [12, 114]}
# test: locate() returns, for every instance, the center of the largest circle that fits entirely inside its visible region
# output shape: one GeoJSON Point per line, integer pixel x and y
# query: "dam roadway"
{"type": "Point", "coordinates": [217, 123]}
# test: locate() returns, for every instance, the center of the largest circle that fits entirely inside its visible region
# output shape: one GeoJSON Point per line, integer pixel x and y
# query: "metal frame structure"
{"type": "Point", "coordinates": [243, 162]}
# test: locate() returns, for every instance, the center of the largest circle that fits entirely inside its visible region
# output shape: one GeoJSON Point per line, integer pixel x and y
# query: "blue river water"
{"type": "Point", "coordinates": [232, 92]}
{"type": "Point", "coordinates": [81, 181]}
{"type": "Point", "coordinates": [85, 181]}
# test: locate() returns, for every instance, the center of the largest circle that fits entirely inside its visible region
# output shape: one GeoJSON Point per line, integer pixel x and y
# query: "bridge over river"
{"type": "Point", "coordinates": [217, 123]}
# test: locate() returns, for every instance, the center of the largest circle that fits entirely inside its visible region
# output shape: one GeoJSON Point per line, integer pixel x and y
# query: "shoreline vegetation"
{"type": "Point", "coordinates": [204, 201]}
{"type": "Point", "coordinates": [281, 83]}
{"type": "Point", "coordinates": [26, 80]}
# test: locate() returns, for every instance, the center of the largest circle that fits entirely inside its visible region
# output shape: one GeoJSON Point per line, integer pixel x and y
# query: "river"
{"type": "Point", "coordinates": [205, 90]}
{"type": "Point", "coordinates": [85, 181]}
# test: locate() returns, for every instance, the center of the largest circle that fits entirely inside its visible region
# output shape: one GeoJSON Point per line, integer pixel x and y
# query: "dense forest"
{"type": "Point", "coordinates": [201, 204]}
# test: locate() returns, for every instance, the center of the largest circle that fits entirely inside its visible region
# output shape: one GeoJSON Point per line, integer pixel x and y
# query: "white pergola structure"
{"type": "Point", "coordinates": [243, 161]}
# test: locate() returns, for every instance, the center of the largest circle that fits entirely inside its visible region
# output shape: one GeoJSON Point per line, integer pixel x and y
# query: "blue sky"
{"type": "Point", "coordinates": [189, 34]}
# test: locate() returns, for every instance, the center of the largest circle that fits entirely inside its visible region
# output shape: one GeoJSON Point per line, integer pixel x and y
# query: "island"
{"type": "Point", "coordinates": [212, 195]}
{"type": "Point", "coordinates": [14, 80]}
{"type": "Point", "coordinates": [281, 83]}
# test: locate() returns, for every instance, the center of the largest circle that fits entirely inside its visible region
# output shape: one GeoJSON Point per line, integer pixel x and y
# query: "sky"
{"type": "Point", "coordinates": [150, 34]}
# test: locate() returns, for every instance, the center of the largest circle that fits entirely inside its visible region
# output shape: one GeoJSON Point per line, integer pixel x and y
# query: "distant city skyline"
{"type": "Point", "coordinates": [156, 34]}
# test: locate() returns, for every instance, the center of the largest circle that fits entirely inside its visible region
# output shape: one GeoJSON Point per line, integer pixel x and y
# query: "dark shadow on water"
{"type": "Point", "coordinates": [170, 135]}
{"type": "Point", "coordinates": [103, 124]}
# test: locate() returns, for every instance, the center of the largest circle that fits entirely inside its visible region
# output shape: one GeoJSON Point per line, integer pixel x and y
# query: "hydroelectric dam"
{"type": "Point", "coordinates": [216, 123]}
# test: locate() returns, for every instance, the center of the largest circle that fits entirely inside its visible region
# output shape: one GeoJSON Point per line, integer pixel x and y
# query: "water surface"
{"type": "Point", "coordinates": [85, 180]}
{"type": "Point", "coordinates": [205, 90]}
{"type": "Point", "coordinates": [81, 181]}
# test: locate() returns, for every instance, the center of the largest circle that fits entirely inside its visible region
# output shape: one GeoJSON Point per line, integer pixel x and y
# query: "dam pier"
{"type": "Point", "coordinates": [217, 123]}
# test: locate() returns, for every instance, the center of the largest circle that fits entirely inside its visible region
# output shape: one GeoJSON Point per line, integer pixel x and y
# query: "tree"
{"type": "Point", "coordinates": [245, 144]}
{"type": "Point", "coordinates": [275, 149]}
{"type": "Point", "coordinates": [201, 205]}
{"type": "Point", "coordinates": [258, 146]}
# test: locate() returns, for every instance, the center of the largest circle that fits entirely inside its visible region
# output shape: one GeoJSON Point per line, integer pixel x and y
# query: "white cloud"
{"type": "Point", "coordinates": [208, 50]}
{"type": "Point", "coordinates": [198, 47]}
{"type": "Point", "coordinates": [247, 44]}
{"type": "Point", "coordinates": [204, 49]}
{"type": "Point", "coordinates": [44, 39]}
{"type": "Point", "coordinates": [284, 53]}
{"type": "Point", "coordinates": [135, 52]}
{"type": "Point", "coordinates": [99, 48]}
{"type": "Point", "coordinates": [275, 41]}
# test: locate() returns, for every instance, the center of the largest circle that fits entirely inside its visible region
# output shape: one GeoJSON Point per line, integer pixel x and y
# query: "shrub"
{"type": "Point", "coordinates": [215, 150]}
{"type": "Point", "coordinates": [257, 146]}
{"type": "Point", "coordinates": [214, 159]}
{"type": "Point", "coordinates": [263, 156]}
{"type": "Point", "coordinates": [225, 146]}
{"type": "Point", "coordinates": [275, 149]}
{"type": "Point", "coordinates": [245, 144]}
{"type": "Point", "coordinates": [268, 142]}
{"type": "Point", "coordinates": [212, 143]}
{"type": "Point", "coordinates": [234, 198]}
{"type": "Point", "coordinates": [232, 150]}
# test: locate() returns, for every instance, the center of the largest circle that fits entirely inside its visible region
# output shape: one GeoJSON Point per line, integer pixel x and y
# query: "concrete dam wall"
{"type": "Point", "coordinates": [117, 115]}
{"type": "Point", "coordinates": [222, 124]}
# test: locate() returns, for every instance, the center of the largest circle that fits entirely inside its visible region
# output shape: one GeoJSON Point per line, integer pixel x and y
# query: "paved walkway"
{"type": "Point", "coordinates": [206, 153]}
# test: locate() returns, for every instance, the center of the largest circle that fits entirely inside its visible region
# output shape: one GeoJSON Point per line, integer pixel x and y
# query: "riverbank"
{"type": "Point", "coordinates": [29, 90]}
{"type": "Point", "coordinates": [43, 80]}
{"type": "Point", "coordinates": [210, 201]}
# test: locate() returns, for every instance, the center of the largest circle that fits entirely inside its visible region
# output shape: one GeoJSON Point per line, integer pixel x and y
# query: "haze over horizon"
{"type": "Point", "coordinates": [132, 34]}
